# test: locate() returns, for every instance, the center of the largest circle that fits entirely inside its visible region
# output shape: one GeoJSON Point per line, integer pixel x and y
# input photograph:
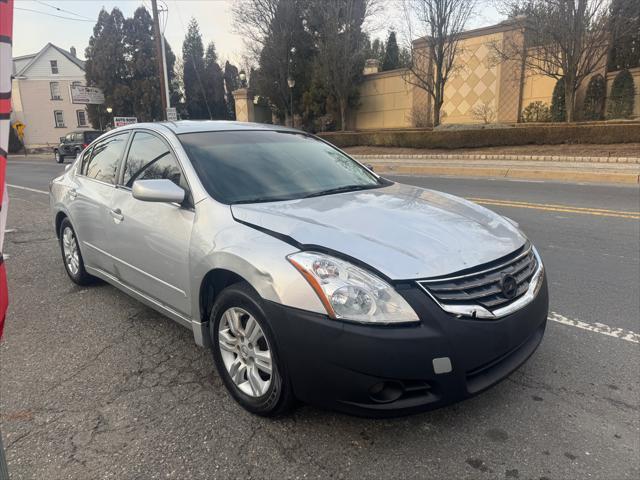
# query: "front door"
{"type": "Point", "coordinates": [149, 241]}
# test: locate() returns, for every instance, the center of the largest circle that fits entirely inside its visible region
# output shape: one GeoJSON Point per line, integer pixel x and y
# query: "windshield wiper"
{"type": "Point", "coordinates": [345, 188]}
{"type": "Point", "coordinates": [262, 200]}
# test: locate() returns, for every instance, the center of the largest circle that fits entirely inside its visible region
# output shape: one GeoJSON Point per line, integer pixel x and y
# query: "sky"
{"type": "Point", "coordinates": [33, 30]}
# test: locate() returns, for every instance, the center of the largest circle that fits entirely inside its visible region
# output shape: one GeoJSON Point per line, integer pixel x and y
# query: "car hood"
{"type": "Point", "coordinates": [403, 232]}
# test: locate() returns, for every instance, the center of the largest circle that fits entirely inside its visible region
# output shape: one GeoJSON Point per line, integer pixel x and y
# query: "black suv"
{"type": "Point", "coordinates": [73, 143]}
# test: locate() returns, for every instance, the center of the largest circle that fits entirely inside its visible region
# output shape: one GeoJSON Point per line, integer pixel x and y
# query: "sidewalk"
{"type": "Point", "coordinates": [621, 170]}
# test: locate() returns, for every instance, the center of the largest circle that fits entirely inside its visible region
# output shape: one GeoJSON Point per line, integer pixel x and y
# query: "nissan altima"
{"type": "Point", "coordinates": [309, 276]}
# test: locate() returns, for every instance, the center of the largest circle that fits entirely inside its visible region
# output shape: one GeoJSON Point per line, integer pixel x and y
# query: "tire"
{"type": "Point", "coordinates": [59, 157]}
{"type": "Point", "coordinates": [71, 255]}
{"type": "Point", "coordinates": [271, 393]}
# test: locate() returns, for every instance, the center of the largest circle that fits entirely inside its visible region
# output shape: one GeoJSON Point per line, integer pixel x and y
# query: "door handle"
{"type": "Point", "coordinates": [73, 193]}
{"type": "Point", "coordinates": [117, 215]}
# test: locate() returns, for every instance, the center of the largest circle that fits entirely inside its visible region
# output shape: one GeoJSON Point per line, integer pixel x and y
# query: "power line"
{"type": "Point", "coordinates": [52, 14]}
{"type": "Point", "coordinates": [63, 10]}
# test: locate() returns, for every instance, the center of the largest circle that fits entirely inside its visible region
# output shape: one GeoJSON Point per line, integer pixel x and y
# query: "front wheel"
{"type": "Point", "coordinates": [59, 158]}
{"type": "Point", "coordinates": [245, 355]}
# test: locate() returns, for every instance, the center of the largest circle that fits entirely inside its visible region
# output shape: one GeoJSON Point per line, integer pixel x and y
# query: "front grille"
{"type": "Point", "coordinates": [483, 285]}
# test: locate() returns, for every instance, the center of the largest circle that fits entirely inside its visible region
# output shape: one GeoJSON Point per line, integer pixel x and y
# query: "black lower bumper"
{"type": "Point", "coordinates": [382, 371]}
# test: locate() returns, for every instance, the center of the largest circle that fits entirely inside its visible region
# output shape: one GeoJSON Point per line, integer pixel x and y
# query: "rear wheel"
{"type": "Point", "coordinates": [71, 256]}
{"type": "Point", "coordinates": [59, 158]}
{"type": "Point", "coordinates": [245, 354]}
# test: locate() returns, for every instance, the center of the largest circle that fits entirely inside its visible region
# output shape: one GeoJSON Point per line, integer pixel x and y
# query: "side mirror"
{"type": "Point", "coordinates": [369, 166]}
{"type": "Point", "coordinates": [157, 191]}
{"type": "Point", "coordinates": [62, 139]}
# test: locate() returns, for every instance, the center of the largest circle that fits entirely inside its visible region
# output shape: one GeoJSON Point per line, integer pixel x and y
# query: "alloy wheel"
{"type": "Point", "coordinates": [70, 250]}
{"type": "Point", "coordinates": [245, 352]}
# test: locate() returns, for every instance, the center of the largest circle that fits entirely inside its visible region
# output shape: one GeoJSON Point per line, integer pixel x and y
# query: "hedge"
{"type": "Point", "coordinates": [522, 135]}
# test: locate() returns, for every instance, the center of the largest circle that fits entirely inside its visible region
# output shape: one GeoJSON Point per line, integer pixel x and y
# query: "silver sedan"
{"type": "Point", "coordinates": [309, 276]}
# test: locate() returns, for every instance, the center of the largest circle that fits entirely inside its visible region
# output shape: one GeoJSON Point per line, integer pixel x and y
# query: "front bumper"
{"type": "Point", "coordinates": [390, 370]}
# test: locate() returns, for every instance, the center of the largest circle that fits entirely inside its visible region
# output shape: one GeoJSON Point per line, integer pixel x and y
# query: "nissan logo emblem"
{"type": "Point", "coordinates": [509, 286]}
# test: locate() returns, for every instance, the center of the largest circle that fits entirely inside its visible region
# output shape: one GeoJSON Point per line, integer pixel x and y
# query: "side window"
{"type": "Point", "coordinates": [68, 138]}
{"type": "Point", "coordinates": [150, 159]}
{"type": "Point", "coordinates": [103, 161]}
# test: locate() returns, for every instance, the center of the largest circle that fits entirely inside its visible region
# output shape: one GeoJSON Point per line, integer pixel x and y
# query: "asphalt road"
{"type": "Point", "coordinates": [95, 385]}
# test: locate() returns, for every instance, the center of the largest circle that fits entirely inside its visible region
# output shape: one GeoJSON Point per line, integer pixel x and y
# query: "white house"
{"type": "Point", "coordinates": [41, 98]}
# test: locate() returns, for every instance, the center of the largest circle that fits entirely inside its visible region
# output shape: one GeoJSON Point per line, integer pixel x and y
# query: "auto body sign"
{"type": "Point", "coordinates": [122, 121]}
{"type": "Point", "coordinates": [86, 95]}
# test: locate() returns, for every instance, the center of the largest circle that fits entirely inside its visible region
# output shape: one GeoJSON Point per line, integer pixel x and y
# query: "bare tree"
{"type": "Point", "coordinates": [438, 26]}
{"type": "Point", "coordinates": [562, 39]}
{"type": "Point", "coordinates": [252, 19]}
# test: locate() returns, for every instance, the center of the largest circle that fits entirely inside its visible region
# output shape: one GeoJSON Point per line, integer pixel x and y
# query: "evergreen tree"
{"type": "Point", "coordinates": [625, 35]}
{"type": "Point", "coordinates": [391, 54]}
{"type": "Point", "coordinates": [405, 57]}
{"type": "Point", "coordinates": [620, 104]}
{"type": "Point", "coordinates": [106, 67]}
{"type": "Point", "coordinates": [145, 97]}
{"type": "Point", "coordinates": [374, 50]}
{"type": "Point", "coordinates": [286, 53]}
{"type": "Point", "coordinates": [214, 83]}
{"type": "Point", "coordinates": [594, 98]}
{"type": "Point", "coordinates": [196, 103]}
{"type": "Point", "coordinates": [558, 106]}
{"type": "Point", "coordinates": [175, 95]}
{"type": "Point", "coordinates": [231, 83]}
{"type": "Point", "coordinates": [336, 27]}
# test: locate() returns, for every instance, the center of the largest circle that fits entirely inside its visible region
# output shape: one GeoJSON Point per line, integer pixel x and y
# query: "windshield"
{"type": "Point", "coordinates": [267, 166]}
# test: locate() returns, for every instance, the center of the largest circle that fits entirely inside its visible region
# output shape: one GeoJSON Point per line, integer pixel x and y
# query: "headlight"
{"type": "Point", "coordinates": [351, 293]}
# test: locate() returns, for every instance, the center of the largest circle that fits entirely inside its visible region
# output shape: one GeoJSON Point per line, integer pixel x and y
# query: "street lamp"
{"type": "Point", "coordinates": [243, 79]}
{"type": "Point", "coordinates": [292, 83]}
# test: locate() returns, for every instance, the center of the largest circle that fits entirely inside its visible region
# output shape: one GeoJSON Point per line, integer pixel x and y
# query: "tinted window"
{"type": "Point", "coordinates": [91, 136]}
{"type": "Point", "coordinates": [262, 166]}
{"type": "Point", "coordinates": [103, 161]}
{"type": "Point", "coordinates": [151, 159]}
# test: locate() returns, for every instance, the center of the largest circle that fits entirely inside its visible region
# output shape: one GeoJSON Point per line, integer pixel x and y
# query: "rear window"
{"type": "Point", "coordinates": [91, 136]}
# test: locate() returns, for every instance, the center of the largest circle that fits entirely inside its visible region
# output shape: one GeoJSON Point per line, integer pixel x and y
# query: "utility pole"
{"type": "Point", "coordinates": [159, 58]}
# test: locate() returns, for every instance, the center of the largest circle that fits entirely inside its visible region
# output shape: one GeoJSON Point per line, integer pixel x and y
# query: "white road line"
{"type": "Point", "coordinates": [601, 328]}
{"type": "Point", "coordinates": [20, 187]}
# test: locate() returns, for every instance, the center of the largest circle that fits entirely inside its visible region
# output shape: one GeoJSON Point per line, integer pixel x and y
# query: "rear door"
{"type": "Point", "coordinates": [91, 197]}
{"type": "Point", "coordinates": [149, 240]}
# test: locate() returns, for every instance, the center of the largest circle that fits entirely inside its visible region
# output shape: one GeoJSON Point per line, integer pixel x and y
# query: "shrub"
{"type": "Point", "coordinates": [621, 100]}
{"type": "Point", "coordinates": [419, 117]}
{"type": "Point", "coordinates": [484, 112]}
{"type": "Point", "coordinates": [536, 112]}
{"type": "Point", "coordinates": [593, 108]}
{"type": "Point", "coordinates": [558, 106]}
{"type": "Point", "coordinates": [489, 137]}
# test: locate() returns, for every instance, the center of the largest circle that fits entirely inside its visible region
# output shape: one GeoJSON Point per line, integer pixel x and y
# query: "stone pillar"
{"type": "Point", "coordinates": [371, 65]}
{"type": "Point", "coordinates": [244, 105]}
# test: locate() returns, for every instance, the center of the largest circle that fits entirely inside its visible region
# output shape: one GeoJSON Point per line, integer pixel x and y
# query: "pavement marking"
{"type": "Point", "coordinates": [20, 187]}
{"type": "Point", "coordinates": [601, 328]}
{"type": "Point", "coordinates": [602, 212]}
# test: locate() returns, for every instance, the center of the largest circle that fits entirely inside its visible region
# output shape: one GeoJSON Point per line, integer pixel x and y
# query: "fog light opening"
{"type": "Point", "coordinates": [386, 392]}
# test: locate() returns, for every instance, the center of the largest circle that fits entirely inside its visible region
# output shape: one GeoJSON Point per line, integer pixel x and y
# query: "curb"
{"type": "Point", "coordinates": [515, 173]}
{"type": "Point", "coordinates": [525, 158]}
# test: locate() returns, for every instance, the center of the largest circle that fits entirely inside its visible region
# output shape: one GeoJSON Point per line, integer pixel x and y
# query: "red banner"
{"type": "Point", "coordinates": [6, 36]}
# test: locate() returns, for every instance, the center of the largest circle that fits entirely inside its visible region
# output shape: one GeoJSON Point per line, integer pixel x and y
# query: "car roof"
{"type": "Point", "coordinates": [194, 126]}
